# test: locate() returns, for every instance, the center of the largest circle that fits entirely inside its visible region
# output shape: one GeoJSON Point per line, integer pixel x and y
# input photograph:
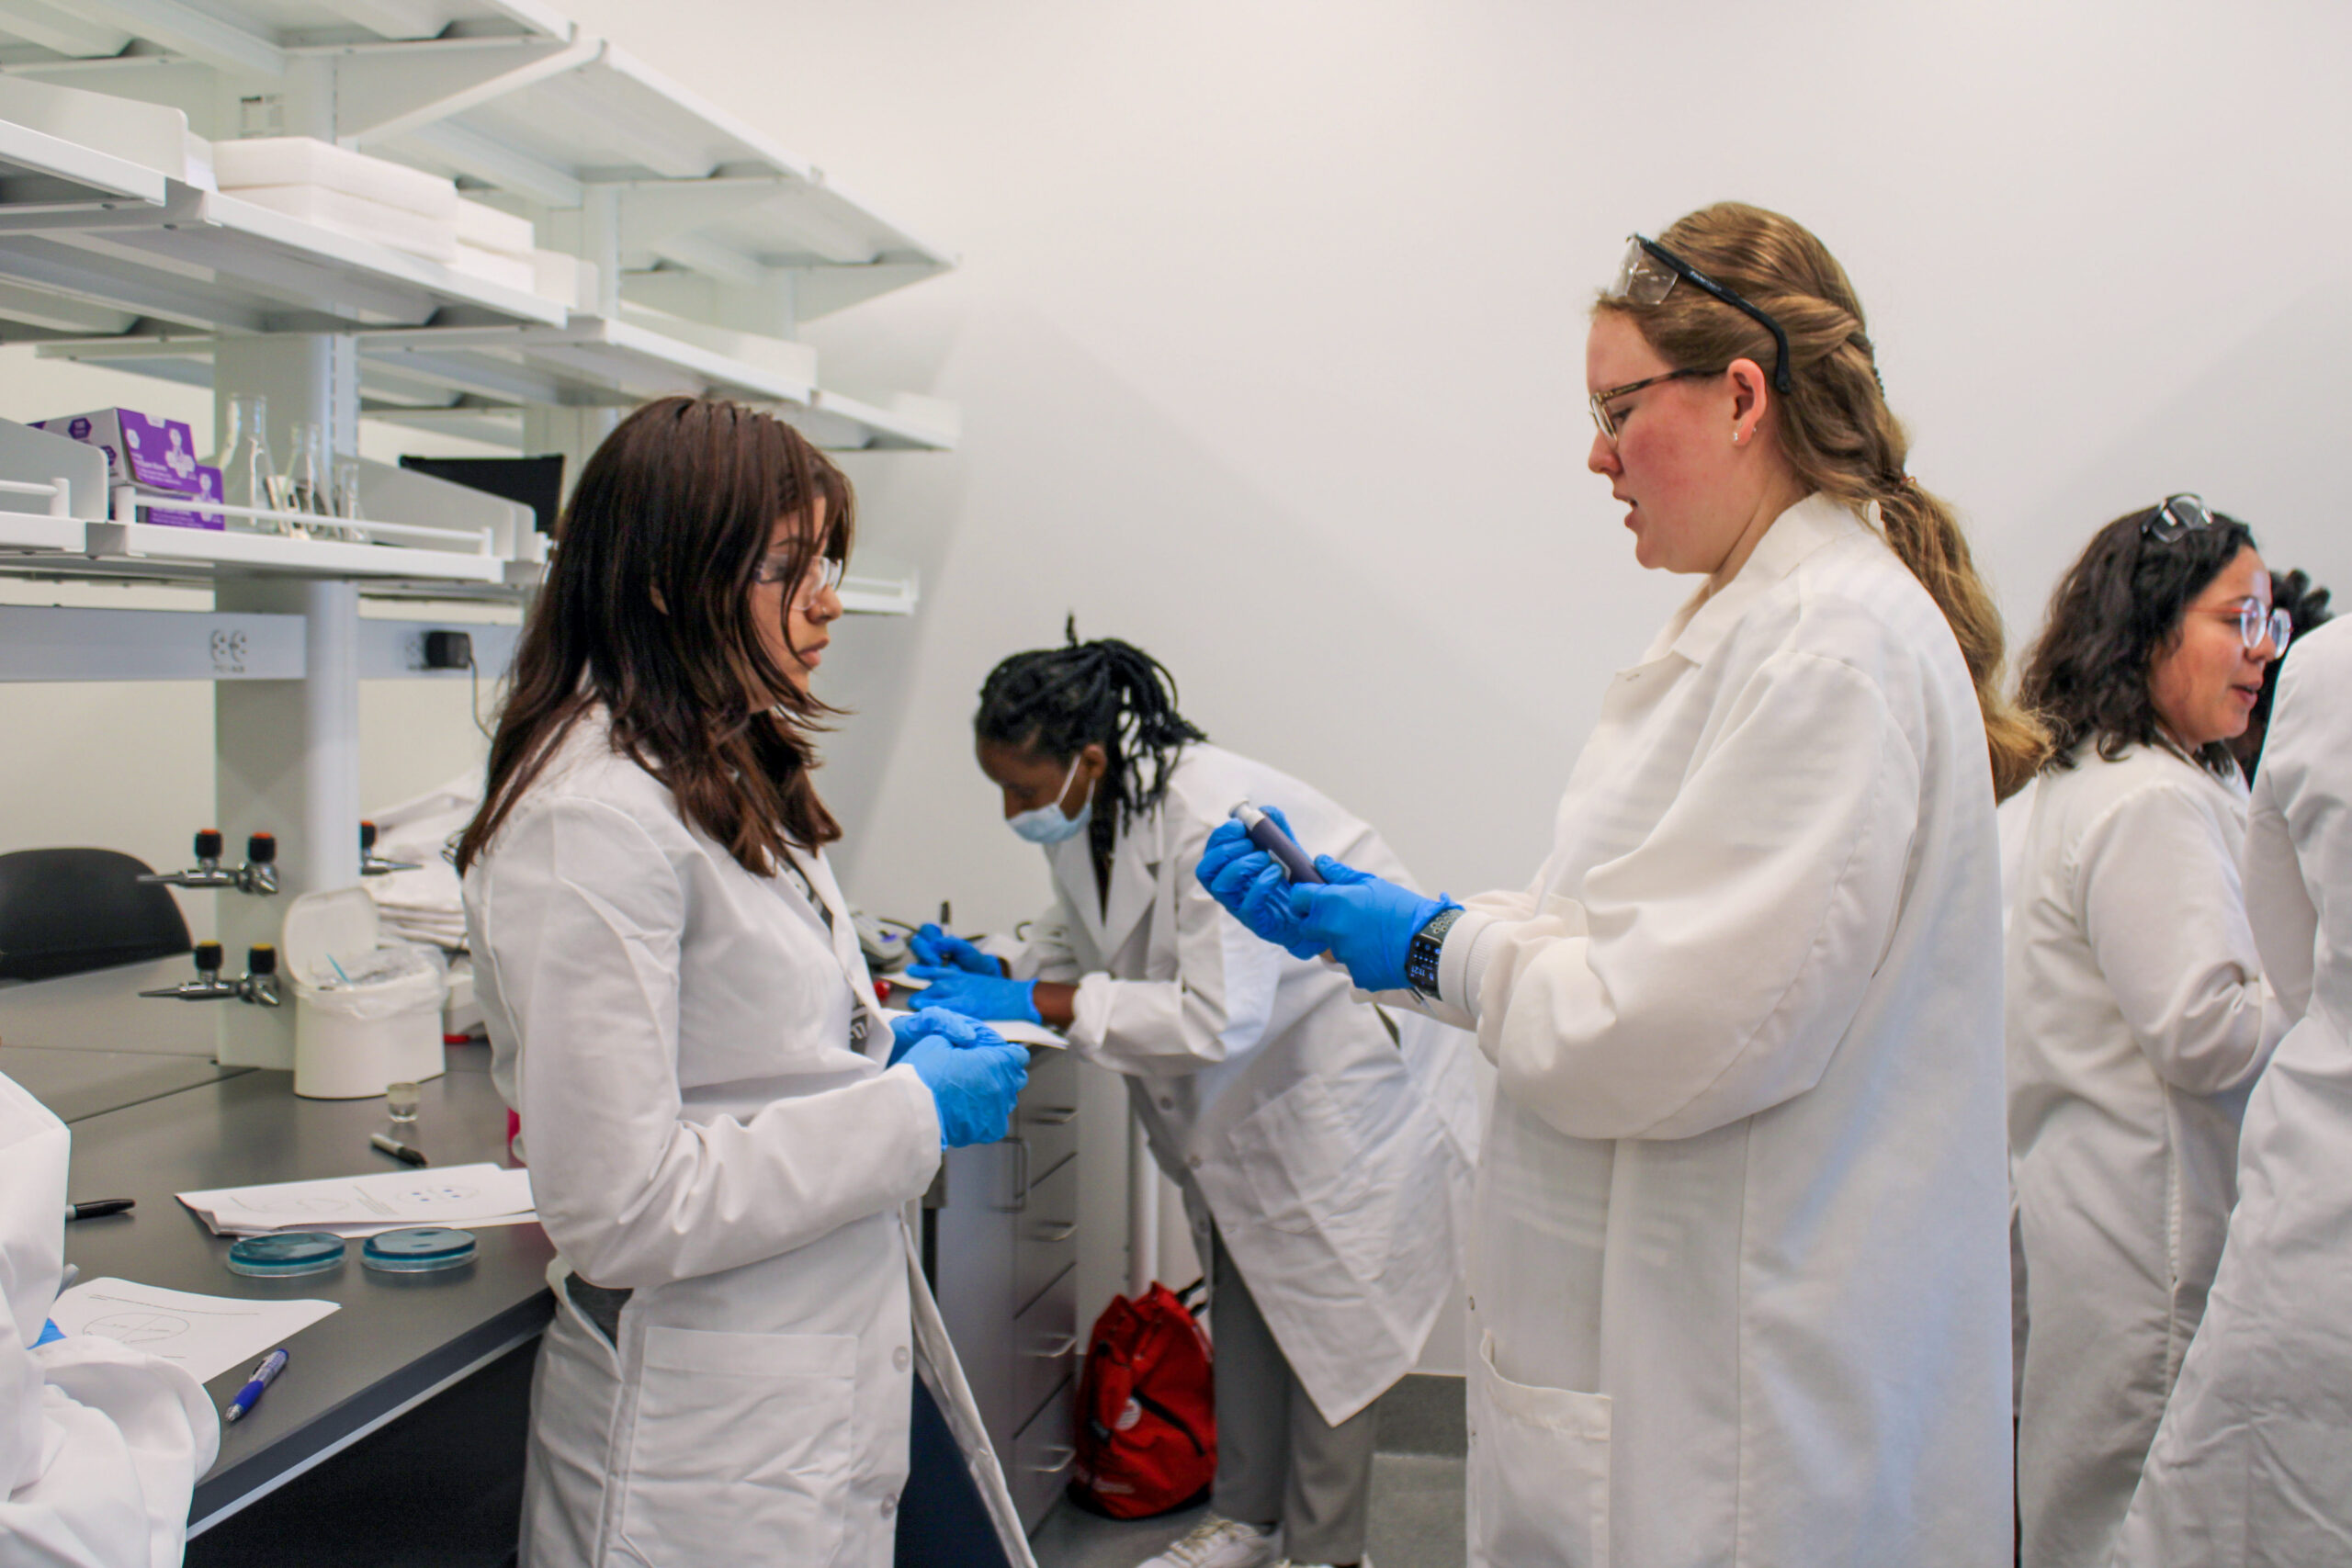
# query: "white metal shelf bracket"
{"type": "Point", "coordinates": [385, 93]}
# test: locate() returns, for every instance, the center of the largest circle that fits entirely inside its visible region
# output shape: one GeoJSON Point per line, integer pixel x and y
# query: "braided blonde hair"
{"type": "Point", "coordinates": [1835, 427]}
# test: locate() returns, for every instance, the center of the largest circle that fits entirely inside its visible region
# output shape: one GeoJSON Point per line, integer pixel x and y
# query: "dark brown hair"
{"type": "Point", "coordinates": [1835, 426]}
{"type": "Point", "coordinates": [647, 614]}
{"type": "Point", "coordinates": [2117, 609]}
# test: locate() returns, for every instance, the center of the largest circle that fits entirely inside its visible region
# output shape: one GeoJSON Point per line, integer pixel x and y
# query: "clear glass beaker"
{"type": "Point", "coordinates": [248, 477]}
{"type": "Point", "coordinates": [347, 499]}
{"type": "Point", "coordinates": [307, 488]}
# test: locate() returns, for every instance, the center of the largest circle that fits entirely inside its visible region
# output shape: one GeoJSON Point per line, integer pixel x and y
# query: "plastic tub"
{"type": "Point", "coordinates": [365, 1014]}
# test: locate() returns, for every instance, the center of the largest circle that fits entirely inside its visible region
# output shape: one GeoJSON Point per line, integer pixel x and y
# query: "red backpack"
{"type": "Point", "coordinates": [1147, 1418]}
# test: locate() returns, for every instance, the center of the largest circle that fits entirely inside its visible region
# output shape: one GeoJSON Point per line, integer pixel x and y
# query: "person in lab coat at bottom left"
{"type": "Point", "coordinates": [723, 1136]}
{"type": "Point", "coordinates": [100, 1444]}
{"type": "Point", "coordinates": [1738, 1284]}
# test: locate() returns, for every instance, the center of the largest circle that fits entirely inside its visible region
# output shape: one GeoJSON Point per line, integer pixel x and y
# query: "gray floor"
{"type": "Point", "coordinates": [1417, 1500]}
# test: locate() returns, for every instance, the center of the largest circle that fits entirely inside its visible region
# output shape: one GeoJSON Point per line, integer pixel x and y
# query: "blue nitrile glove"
{"type": "Point", "coordinates": [49, 1331]}
{"type": "Point", "coordinates": [938, 948]}
{"type": "Point", "coordinates": [1366, 922]}
{"type": "Point", "coordinates": [973, 1074]}
{"type": "Point", "coordinates": [977, 996]}
{"type": "Point", "coordinates": [1249, 883]}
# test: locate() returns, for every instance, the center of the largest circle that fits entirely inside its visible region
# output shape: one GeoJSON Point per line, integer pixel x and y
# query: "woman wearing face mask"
{"type": "Point", "coordinates": [722, 1137]}
{"type": "Point", "coordinates": [1329, 1172]}
{"type": "Point", "coordinates": [1739, 1280]}
{"type": "Point", "coordinates": [2138, 1017]}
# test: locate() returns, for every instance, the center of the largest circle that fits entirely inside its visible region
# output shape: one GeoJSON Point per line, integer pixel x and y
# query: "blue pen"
{"type": "Point", "coordinates": [250, 1395]}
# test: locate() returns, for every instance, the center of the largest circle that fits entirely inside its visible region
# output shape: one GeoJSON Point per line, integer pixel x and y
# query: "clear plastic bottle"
{"type": "Point", "coordinates": [247, 474]}
{"type": "Point", "coordinates": [347, 499]}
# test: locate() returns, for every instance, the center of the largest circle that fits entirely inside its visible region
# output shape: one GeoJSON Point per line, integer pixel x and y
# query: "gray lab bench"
{"type": "Point", "coordinates": [396, 1341]}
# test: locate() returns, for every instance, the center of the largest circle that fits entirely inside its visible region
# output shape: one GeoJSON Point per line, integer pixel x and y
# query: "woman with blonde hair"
{"type": "Point", "coordinates": [1740, 1281]}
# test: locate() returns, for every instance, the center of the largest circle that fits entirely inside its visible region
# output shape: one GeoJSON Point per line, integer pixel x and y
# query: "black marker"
{"type": "Point", "coordinates": [398, 1150]}
{"type": "Point", "coordinates": [92, 1208]}
{"type": "Point", "coordinates": [1268, 835]}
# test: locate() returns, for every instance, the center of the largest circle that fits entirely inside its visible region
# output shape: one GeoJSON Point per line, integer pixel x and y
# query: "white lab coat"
{"type": "Point", "coordinates": [2253, 1464]}
{"type": "Point", "coordinates": [2137, 1018]}
{"type": "Point", "coordinates": [676, 1035]}
{"type": "Point", "coordinates": [100, 1444]}
{"type": "Point", "coordinates": [1337, 1167]}
{"type": "Point", "coordinates": [1739, 1288]}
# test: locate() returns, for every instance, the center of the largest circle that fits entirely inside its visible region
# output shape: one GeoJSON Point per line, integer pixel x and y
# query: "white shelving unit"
{"type": "Point", "coordinates": [708, 247]}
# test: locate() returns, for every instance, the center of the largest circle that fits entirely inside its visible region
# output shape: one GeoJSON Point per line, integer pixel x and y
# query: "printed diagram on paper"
{"type": "Point", "coordinates": [463, 1195]}
{"type": "Point", "coordinates": [207, 1335]}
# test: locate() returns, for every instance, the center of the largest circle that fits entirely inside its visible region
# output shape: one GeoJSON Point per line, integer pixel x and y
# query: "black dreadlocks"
{"type": "Point", "coordinates": [1056, 701]}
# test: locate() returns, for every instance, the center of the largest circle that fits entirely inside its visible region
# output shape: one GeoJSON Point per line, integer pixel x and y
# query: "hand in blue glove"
{"type": "Point", "coordinates": [938, 948]}
{"type": "Point", "coordinates": [1365, 921]}
{"type": "Point", "coordinates": [1251, 884]}
{"type": "Point", "coordinates": [977, 996]}
{"type": "Point", "coordinates": [973, 1074]}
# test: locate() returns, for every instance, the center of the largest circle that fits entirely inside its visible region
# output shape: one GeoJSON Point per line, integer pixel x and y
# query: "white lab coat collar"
{"type": "Point", "coordinates": [1135, 857]}
{"type": "Point", "coordinates": [1700, 627]}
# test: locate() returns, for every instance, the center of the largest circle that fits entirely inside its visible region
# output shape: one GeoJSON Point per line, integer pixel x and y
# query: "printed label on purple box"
{"type": "Point", "coordinates": [207, 487]}
{"type": "Point", "coordinates": [157, 453]}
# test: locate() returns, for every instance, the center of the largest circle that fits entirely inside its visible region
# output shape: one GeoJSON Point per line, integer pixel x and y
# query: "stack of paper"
{"type": "Point", "coordinates": [465, 1197]}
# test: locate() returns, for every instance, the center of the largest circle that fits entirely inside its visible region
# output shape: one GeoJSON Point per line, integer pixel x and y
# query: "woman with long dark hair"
{"type": "Point", "coordinates": [2137, 1013]}
{"type": "Point", "coordinates": [1738, 1286]}
{"type": "Point", "coordinates": [1325, 1151]}
{"type": "Point", "coordinates": [722, 1135]}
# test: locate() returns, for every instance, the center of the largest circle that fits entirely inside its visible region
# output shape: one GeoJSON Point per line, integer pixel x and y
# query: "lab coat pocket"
{"type": "Point", "coordinates": [1307, 1168]}
{"type": "Point", "coordinates": [1539, 1473]}
{"type": "Point", "coordinates": [741, 1449]}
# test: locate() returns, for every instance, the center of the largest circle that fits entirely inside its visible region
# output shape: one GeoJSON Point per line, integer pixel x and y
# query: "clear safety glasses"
{"type": "Point", "coordinates": [823, 574]}
{"type": "Point", "coordinates": [2257, 622]}
{"type": "Point", "coordinates": [2179, 515]}
{"type": "Point", "coordinates": [1649, 273]}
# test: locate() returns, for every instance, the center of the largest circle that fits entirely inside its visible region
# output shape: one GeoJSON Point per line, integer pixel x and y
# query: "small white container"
{"type": "Point", "coordinates": [351, 1039]}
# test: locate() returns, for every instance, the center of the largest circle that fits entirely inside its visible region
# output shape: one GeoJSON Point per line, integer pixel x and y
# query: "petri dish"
{"type": "Point", "coordinates": [420, 1250]}
{"type": "Point", "coordinates": [286, 1256]}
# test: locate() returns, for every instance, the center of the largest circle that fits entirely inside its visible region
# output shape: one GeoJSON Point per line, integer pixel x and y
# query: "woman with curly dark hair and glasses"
{"type": "Point", "coordinates": [2138, 1017]}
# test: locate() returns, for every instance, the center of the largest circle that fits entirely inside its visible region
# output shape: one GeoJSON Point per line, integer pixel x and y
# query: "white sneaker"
{"type": "Point", "coordinates": [1218, 1542]}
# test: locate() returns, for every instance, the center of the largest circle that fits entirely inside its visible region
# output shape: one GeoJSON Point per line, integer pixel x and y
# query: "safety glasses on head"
{"type": "Point", "coordinates": [2179, 516]}
{"type": "Point", "coordinates": [1649, 273]}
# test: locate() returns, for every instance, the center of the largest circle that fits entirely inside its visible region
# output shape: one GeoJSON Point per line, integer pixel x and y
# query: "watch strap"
{"type": "Point", "coordinates": [1429, 943]}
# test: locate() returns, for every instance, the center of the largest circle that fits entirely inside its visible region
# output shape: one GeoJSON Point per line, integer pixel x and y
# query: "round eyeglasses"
{"type": "Point", "coordinates": [2258, 623]}
{"type": "Point", "coordinates": [821, 575]}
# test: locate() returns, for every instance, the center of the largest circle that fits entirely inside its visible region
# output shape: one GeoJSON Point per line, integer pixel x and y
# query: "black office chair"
{"type": "Point", "coordinates": [64, 911]}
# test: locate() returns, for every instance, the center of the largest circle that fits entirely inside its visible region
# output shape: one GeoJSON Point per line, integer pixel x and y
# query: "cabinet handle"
{"type": "Point", "coordinates": [1050, 1233]}
{"type": "Point", "coordinates": [1059, 1465]}
{"type": "Point", "coordinates": [1055, 1116]}
{"type": "Point", "coordinates": [1063, 1345]}
{"type": "Point", "coordinates": [1020, 1174]}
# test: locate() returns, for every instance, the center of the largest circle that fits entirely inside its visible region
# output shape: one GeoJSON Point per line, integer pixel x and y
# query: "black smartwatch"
{"type": "Point", "coordinates": [1421, 959]}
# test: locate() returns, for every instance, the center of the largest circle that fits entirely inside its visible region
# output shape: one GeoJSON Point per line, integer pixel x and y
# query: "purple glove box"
{"type": "Point", "coordinates": [207, 487]}
{"type": "Point", "coordinates": [159, 454]}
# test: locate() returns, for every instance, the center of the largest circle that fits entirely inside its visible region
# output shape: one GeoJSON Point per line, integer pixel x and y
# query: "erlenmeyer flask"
{"type": "Point", "coordinates": [306, 477]}
{"type": "Point", "coordinates": [246, 471]}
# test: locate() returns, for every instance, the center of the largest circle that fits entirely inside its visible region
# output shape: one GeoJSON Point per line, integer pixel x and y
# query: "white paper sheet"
{"type": "Point", "coordinates": [458, 1195]}
{"type": "Point", "coordinates": [207, 1335]}
{"type": "Point", "coordinates": [1020, 1032]}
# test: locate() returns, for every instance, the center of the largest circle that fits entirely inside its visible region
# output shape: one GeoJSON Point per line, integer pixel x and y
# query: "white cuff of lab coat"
{"type": "Point", "coordinates": [1089, 1012]}
{"type": "Point", "coordinates": [1462, 961]}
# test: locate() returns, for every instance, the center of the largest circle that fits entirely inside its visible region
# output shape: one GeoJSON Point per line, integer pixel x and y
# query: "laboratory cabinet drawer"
{"type": "Point", "coordinates": [1045, 1345]}
{"type": "Point", "coordinates": [1044, 1233]}
{"type": "Point", "coordinates": [1046, 1117]}
{"type": "Point", "coordinates": [1041, 1459]}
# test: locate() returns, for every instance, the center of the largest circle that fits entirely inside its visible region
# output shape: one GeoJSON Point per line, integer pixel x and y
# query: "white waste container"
{"type": "Point", "coordinates": [366, 1014]}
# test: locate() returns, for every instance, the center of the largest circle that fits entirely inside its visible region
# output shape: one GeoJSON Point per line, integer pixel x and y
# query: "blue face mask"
{"type": "Point", "coordinates": [1046, 825]}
